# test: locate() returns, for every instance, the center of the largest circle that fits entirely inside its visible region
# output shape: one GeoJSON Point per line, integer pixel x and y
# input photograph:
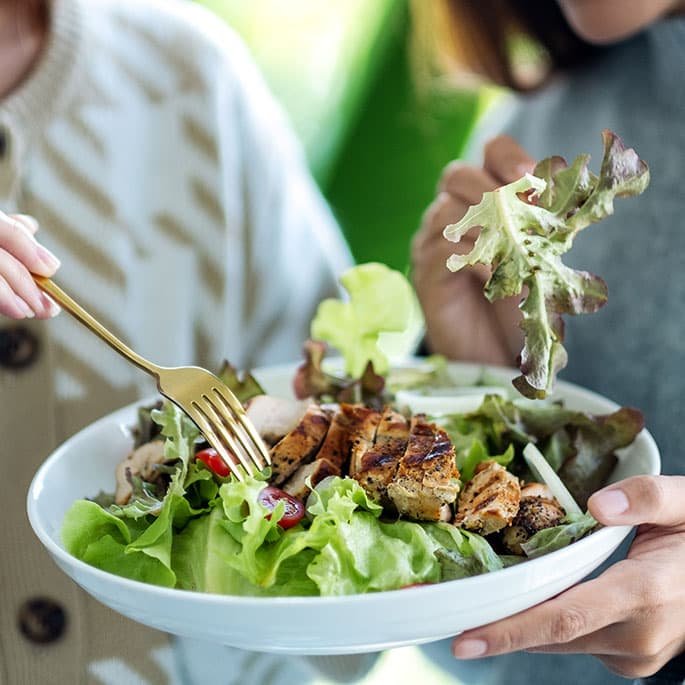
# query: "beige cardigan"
{"type": "Point", "coordinates": [168, 182]}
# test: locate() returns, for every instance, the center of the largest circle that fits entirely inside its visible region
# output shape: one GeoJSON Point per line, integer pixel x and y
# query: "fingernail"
{"type": "Point", "coordinates": [49, 259]}
{"type": "Point", "coordinates": [52, 308]}
{"type": "Point", "coordinates": [28, 312]}
{"type": "Point", "coordinates": [470, 648]}
{"type": "Point", "coordinates": [610, 502]}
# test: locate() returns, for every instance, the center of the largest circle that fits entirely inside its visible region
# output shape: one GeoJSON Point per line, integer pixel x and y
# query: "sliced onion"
{"type": "Point", "coordinates": [545, 473]}
{"type": "Point", "coordinates": [458, 401]}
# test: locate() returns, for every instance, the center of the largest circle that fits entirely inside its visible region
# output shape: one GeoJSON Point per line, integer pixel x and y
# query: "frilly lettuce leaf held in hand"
{"type": "Point", "coordinates": [525, 228]}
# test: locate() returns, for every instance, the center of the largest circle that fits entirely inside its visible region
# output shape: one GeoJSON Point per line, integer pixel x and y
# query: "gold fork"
{"type": "Point", "coordinates": [200, 394]}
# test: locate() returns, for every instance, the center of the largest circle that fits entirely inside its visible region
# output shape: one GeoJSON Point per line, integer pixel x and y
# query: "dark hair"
{"type": "Point", "coordinates": [478, 35]}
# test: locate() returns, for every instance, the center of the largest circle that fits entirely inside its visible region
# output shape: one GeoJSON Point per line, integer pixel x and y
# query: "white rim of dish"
{"type": "Point", "coordinates": [606, 535]}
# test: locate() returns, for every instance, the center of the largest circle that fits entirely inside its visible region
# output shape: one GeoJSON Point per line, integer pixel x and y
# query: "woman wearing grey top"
{"type": "Point", "coordinates": [619, 66]}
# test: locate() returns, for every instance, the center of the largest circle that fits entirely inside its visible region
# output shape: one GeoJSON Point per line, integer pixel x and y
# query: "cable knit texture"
{"type": "Point", "coordinates": [167, 180]}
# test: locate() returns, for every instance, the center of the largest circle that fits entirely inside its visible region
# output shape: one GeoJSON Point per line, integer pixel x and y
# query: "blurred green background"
{"type": "Point", "coordinates": [341, 69]}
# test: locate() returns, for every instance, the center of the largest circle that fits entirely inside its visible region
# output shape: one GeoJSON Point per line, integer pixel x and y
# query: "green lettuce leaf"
{"type": "Point", "coordinates": [467, 462]}
{"type": "Point", "coordinates": [136, 540]}
{"type": "Point", "coordinates": [382, 317]}
{"type": "Point", "coordinates": [364, 554]}
{"type": "Point", "coordinates": [180, 434]}
{"type": "Point", "coordinates": [526, 227]}
{"type": "Point", "coordinates": [465, 554]}
{"type": "Point", "coordinates": [579, 446]}
{"type": "Point", "coordinates": [99, 538]}
{"type": "Point", "coordinates": [201, 557]}
{"type": "Point", "coordinates": [342, 548]}
{"type": "Point", "coordinates": [572, 528]}
{"type": "Point", "coordinates": [244, 387]}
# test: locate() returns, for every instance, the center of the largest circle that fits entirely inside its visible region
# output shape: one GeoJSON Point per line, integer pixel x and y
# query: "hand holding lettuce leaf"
{"type": "Point", "coordinates": [526, 227]}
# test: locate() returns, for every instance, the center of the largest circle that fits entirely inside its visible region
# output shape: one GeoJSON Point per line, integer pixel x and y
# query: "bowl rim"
{"type": "Point", "coordinates": [603, 538]}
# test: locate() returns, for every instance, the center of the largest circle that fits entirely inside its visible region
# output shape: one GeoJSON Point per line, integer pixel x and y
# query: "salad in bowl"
{"type": "Point", "coordinates": [384, 476]}
{"type": "Point", "coordinates": [360, 497]}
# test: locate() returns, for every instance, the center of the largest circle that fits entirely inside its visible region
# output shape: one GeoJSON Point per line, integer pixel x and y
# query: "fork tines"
{"type": "Point", "coordinates": [230, 432]}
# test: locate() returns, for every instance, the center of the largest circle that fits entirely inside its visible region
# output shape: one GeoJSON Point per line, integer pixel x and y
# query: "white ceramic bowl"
{"type": "Point", "coordinates": [85, 463]}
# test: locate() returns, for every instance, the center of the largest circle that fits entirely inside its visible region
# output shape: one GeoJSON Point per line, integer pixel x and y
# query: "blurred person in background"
{"type": "Point", "coordinates": [141, 139]}
{"type": "Point", "coordinates": [606, 64]}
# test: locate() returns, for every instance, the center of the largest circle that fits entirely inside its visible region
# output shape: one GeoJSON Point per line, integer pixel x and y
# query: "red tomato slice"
{"type": "Point", "coordinates": [211, 459]}
{"type": "Point", "coordinates": [406, 587]}
{"type": "Point", "coordinates": [270, 496]}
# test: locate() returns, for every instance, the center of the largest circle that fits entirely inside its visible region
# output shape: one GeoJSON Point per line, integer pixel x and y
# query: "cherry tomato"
{"type": "Point", "coordinates": [270, 496]}
{"type": "Point", "coordinates": [213, 462]}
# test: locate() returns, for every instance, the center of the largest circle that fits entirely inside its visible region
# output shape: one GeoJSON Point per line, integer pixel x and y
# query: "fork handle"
{"type": "Point", "coordinates": [79, 313]}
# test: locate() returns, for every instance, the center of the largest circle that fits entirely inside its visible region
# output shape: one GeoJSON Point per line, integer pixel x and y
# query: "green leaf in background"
{"type": "Point", "coordinates": [381, 318]}
{"type": "Point", "coordinates": [525, 228]}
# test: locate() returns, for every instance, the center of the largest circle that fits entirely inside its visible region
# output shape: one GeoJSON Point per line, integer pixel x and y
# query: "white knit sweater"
{"type": "Point", "coordinates": [168, 182]}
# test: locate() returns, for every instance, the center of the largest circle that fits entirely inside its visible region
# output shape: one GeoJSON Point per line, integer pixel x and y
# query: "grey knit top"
{"type": "Point", "coordinates": [633, 350]}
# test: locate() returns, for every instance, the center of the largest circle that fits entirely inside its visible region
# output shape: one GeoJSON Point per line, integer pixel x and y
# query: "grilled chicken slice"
{"type": "Point", "coordinates": [378, 465]}
{"type": "Point", "coordinates": [352, 431]}
{"type": "Point", "coordinates": [336, 446]}
{"type": "Point", "coordinates": [490, 500]}
{"type": "Point", "coordinates": [427, 477]}
{"type": "Point", "coordinates": [363, 427]}
{"type": "Point", "coordinates": [536, 512]}
{"type": "Point", "coordinates": [140, 462]}
{"type": "Point", "coordinates": [300, 445]}
{"type": "Point", "coordinates": [274, 417]}
{"type": "Point", "coordinates": [316, 470]}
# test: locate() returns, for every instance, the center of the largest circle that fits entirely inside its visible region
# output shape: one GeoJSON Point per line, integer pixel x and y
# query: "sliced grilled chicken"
{"type": "Point", "coordinates": [535, 513]}
{"type": "Point", "coordinates": [300, 445]}
{"type": "Point", "coordinates": [141, 463]}
{"type": "Point", "coordinates": [490, 500]}
{"type": "Point", "coordinates": [352, 431]}
{"type": "Point", "coordinates": [274, 417]}
{"type": "Point", "coordinates": [336, 446]}
{"type": "Point", "coordinates": [316, 470]}
{"type": "Point", "coordinates": [363, 427]}
{"type": "Point", "coordinates": [378, 465]}
{"type": "Point", "coordinates": [427, 477]}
